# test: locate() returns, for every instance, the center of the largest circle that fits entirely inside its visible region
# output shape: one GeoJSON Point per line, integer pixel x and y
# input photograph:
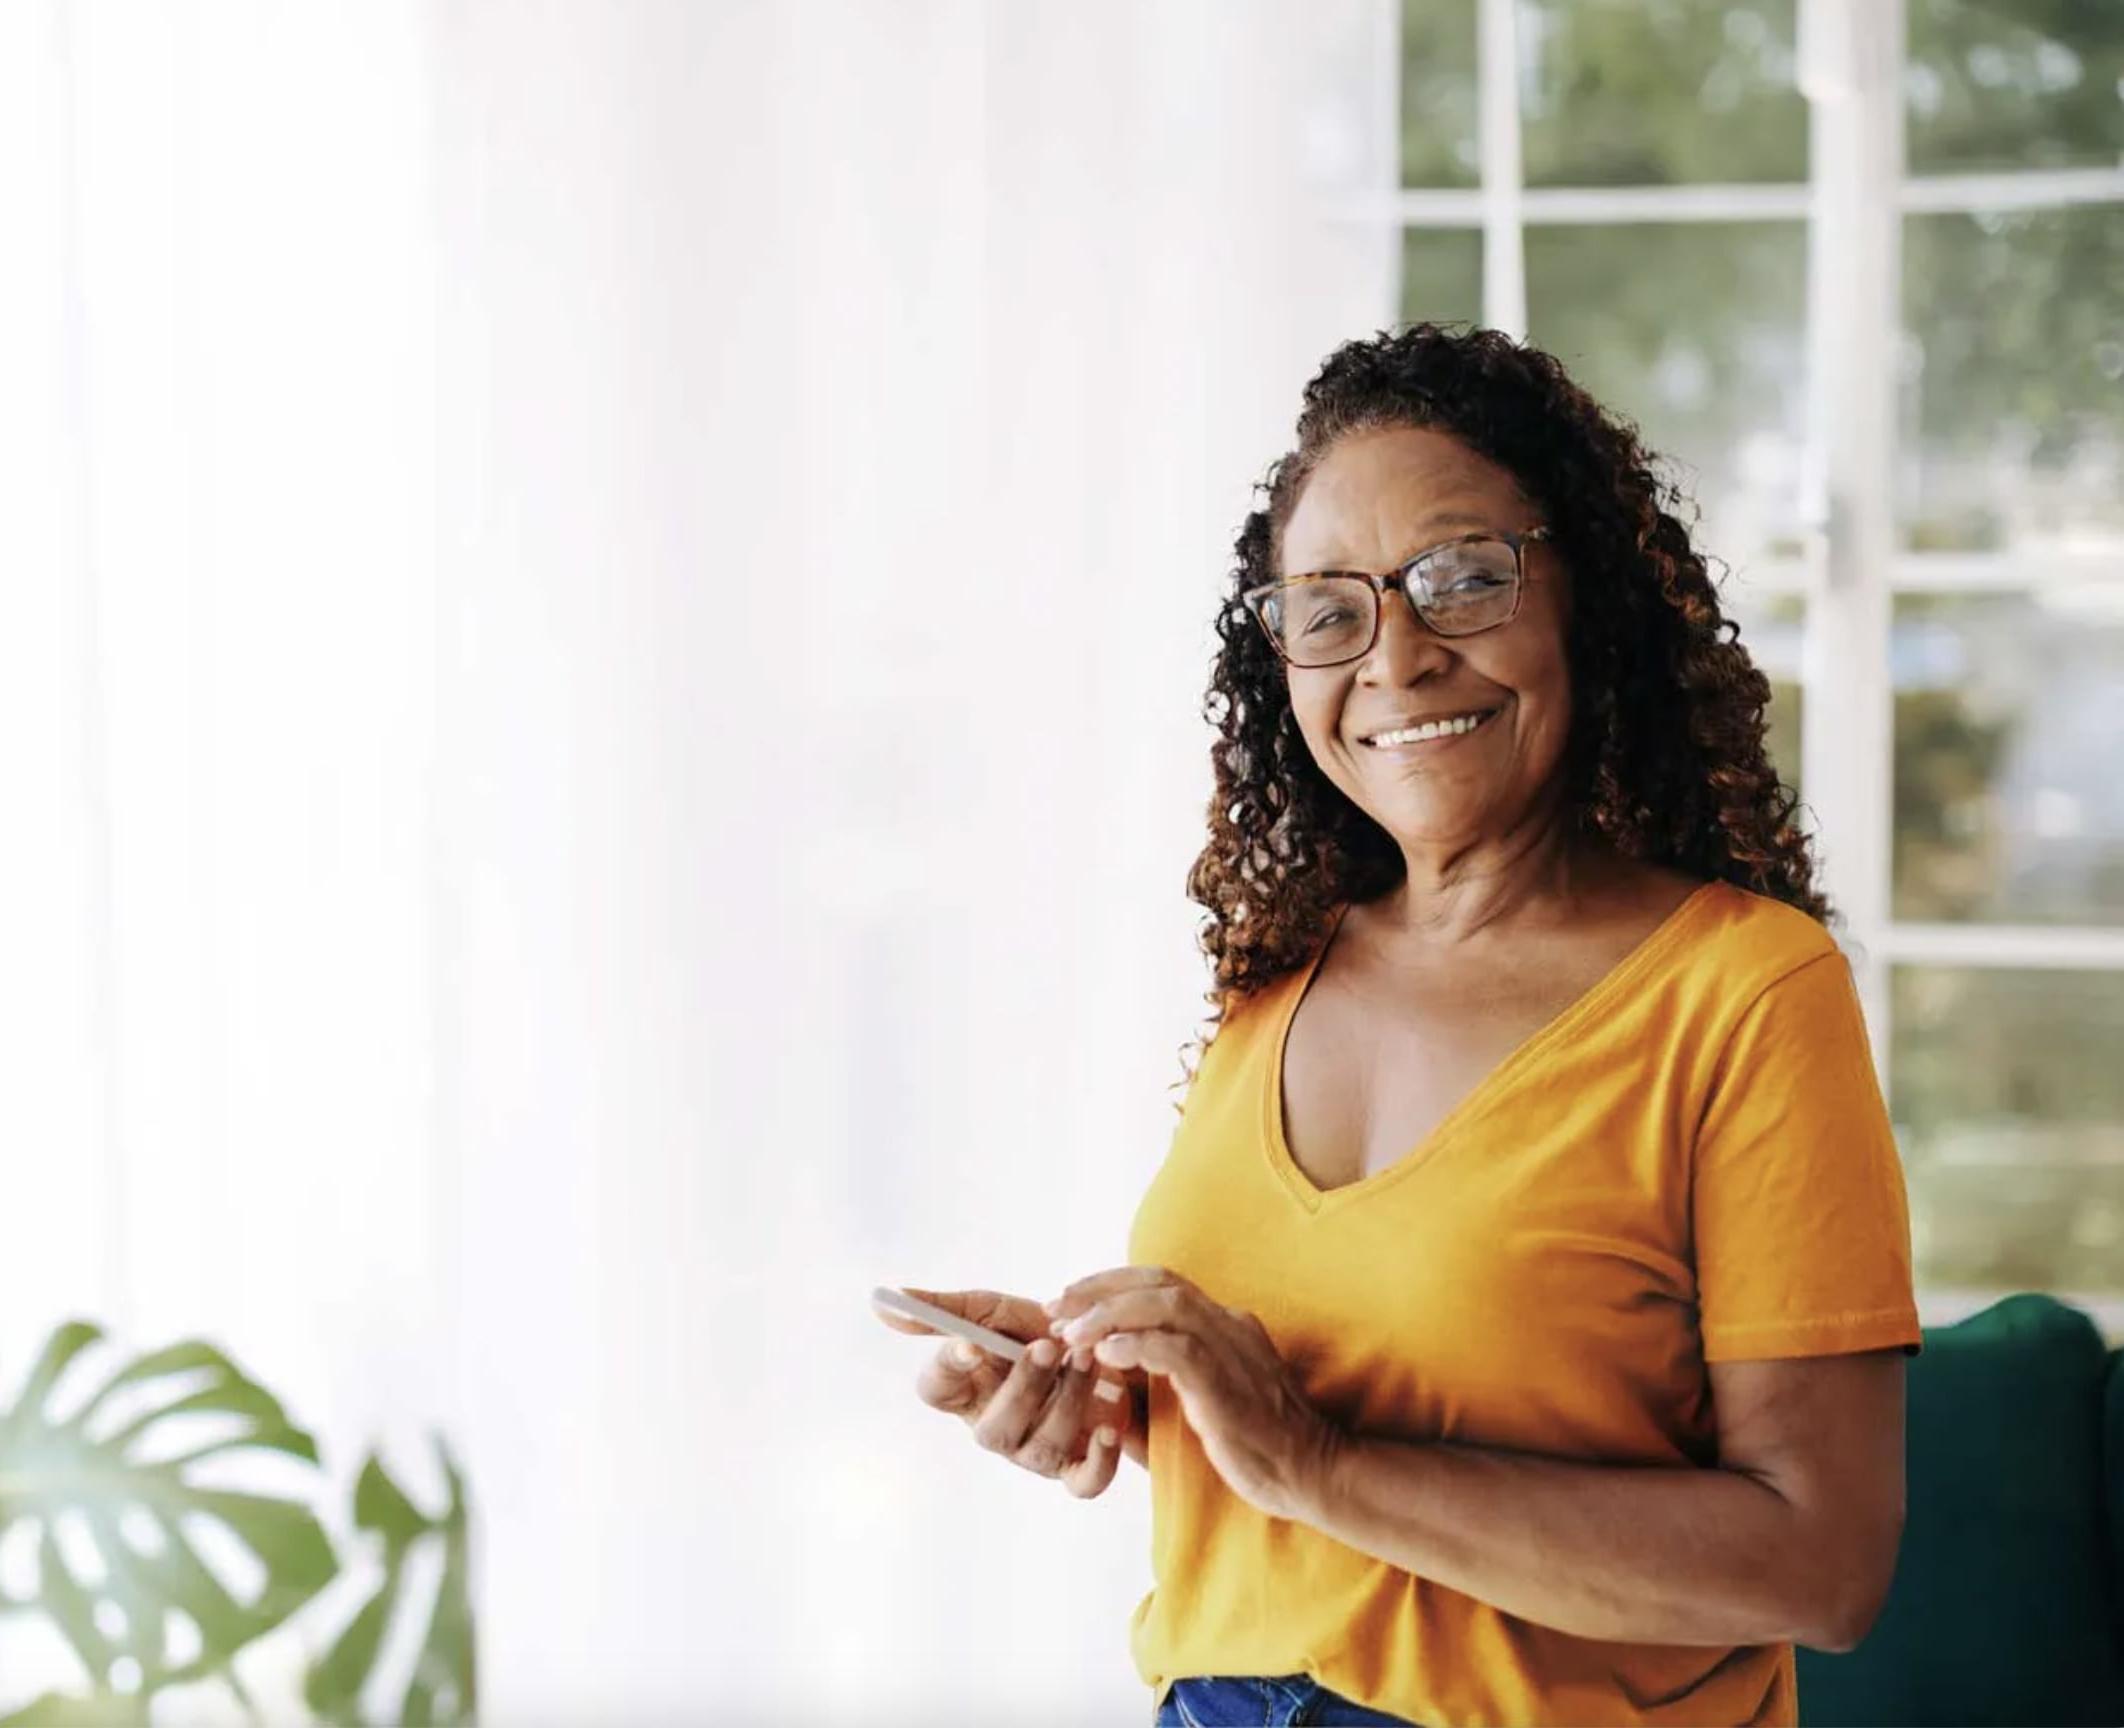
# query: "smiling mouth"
{"type": "Point", "coordinates": [1435, 732]}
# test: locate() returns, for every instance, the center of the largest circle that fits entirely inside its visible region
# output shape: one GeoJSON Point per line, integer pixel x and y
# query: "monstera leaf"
{"type": "Point", "coordinates": [55, 1710]}
{"type": "Point", "coordinates": [140, 1519]}
{"type": "Point", "coordinates": [440, 1688]}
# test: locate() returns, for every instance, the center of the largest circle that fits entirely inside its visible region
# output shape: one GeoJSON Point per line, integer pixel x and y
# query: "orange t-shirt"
{"type": "Point", "coordinates": [1690, 1164]}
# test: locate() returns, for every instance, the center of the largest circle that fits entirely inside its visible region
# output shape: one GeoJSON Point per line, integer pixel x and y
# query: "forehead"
{"type": "Point", "coordinates": [1382, 494]}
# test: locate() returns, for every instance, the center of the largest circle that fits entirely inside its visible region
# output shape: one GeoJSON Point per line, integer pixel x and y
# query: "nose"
{"type": "Point", "coordinates": [1406, 648]}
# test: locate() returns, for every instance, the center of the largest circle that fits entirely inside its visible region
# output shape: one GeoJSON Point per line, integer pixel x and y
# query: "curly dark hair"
{"type": "Point", "coordinates": [1665, 758]}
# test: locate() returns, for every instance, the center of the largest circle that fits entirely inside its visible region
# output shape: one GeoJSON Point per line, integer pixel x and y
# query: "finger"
{"type": "Point", "coordinates": [953, 1301]}
{"type": "Point", "coordinates": [902, 1322]}
{"type": "Point", "coordinates": [1157, 1351]}
{"type": "Point", "coordinates": [1109, 1390]}
{"type": "Point", "coordinates": [1173, 1306]}
{"type": "Point", "coordinates": [1093, 1474]}
{"type": "Point", "coordinates": [1009, 1416]}
{"type": "Point", "coordinates": [948, 1381]}
{"type": "Point", "coordinates": [1077, 1297]}
{"type": "Point", "coordinates": [1054, 1439]}
{"type": "Point", "coordinates": [1018, 1317]}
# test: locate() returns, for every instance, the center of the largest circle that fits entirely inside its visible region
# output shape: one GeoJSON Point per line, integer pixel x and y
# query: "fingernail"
{"type": "Point", "coordinates": [1105, 1435]}
{"type": "Point", "coordinates": [1107, 1389]}
{"type": "Point", "coordinates": [965, 1353]}
{"type": "Point", "coordinates": [1044, 1353]}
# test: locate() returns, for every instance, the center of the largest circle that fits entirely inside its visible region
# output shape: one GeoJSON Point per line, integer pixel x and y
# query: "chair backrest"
{"type": "Point", "coordinates": [2006, 1602]}
{"type": "Point", "coordinates": [2113, 1479]}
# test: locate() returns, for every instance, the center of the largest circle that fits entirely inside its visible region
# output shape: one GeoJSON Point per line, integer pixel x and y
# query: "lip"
{"type": "Point", "coordinates": [1422, 745]}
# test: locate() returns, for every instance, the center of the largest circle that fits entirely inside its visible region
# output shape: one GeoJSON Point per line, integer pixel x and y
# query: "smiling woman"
{"type": "Point", "coordinates": [1514, 1330]}
{"type": "Point", "coordinates": [1521, 1307]}
{"type": "Point", "coordinates": [1403, 443]}
{"type": "Point", "coordinates": [1454, 782]}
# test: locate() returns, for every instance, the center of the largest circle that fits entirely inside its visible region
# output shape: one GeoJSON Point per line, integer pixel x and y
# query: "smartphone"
{"type": "Point", "coordinates": [944, 1320]}
{"type": "Point", "coordinates": [995, 1343]}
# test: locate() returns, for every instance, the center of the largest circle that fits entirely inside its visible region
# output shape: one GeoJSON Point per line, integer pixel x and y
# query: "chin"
{"type": "Point", "coordinates": [1456, 827]}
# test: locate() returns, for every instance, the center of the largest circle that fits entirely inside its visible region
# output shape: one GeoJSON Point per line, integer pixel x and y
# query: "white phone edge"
{"type": "Point", "coordinates": [996, 1343]}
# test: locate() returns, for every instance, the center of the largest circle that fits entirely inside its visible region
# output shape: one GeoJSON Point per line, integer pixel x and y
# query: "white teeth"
{"type": "Point", "coordinates": [1434, 729]}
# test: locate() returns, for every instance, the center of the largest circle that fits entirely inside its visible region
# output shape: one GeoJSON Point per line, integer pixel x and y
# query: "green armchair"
{"type": "Point", "coordinates": [2006, 1605]}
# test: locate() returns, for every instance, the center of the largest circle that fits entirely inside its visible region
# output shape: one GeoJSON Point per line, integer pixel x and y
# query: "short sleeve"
{"type": "Point", "coordinates": [1800, 1216]}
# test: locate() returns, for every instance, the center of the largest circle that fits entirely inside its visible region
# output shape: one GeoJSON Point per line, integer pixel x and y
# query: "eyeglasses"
{"type": "Point", "coordinates": [1457, 588]}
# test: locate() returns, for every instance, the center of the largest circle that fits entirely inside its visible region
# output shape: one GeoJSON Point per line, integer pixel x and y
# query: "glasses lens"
{"type": "Point", "coordinates": [1468, 587]}
{"type": "Point", "coordinates": [1324, 619]}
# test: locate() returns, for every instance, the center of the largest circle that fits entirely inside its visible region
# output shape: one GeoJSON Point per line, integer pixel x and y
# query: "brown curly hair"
{"type": "Point", "coordinates": [1665, 760]}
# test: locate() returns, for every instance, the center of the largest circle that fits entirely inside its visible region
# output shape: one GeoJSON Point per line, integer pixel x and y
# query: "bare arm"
{"type": "Point", "coordinates": [1791, 1538]}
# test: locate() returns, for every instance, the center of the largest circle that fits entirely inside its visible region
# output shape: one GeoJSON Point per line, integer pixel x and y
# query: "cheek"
{"type": "Point", "coordinates": [1539, 677]}
{"type": "Point", "coordinates": [1317, 711]}
{"type": "Point", "coordinates": [1541, 662]}
{"type": "Point", "coordinates": [1552, 682]}
{"type": "Point", "coordinates": [1537, 672]}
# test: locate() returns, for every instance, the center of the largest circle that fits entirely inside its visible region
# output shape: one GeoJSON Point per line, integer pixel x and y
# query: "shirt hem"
{"type": "Point", "coordinates": [1831, 1335]}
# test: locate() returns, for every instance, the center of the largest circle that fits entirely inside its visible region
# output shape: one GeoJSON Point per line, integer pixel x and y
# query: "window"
{"type": "Point", "coordinates": [1856, 267]}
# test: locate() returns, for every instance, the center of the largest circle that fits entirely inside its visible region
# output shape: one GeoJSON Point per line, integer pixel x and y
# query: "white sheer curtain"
{"type": "Point", "coordinates": [607, 605]}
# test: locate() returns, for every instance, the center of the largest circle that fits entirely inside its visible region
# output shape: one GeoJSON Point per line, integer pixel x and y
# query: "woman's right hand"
{"type": "Point", "coordinates": [1039, 1412]}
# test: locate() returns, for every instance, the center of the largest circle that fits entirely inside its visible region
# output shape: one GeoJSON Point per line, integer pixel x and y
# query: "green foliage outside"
{"type": "Point", "coordinates": [2008, 1097]}
{"type": "Point", "coordinates": [2013, 370]}
{"type": "Point", "coordinates": [1999, 84]}
{"type": "Point", "coordinates": [2013, 381]}
{"type": "Point", "coordinates": [1659, 92]}
{"type": "Point", "coordinates": [1669, 92]}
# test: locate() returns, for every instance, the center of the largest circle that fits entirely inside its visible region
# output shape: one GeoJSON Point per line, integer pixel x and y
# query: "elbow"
{"type": "Point", "coordinates": [1845, 1611]}
{"type": "Point", "coordinates": [1846, 1629]}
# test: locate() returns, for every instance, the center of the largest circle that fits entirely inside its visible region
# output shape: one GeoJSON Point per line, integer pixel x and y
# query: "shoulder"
{"type": "Point", "coordinates": [1772, 1001]}
{"type": "Point", "coordinates": [1748, 941]}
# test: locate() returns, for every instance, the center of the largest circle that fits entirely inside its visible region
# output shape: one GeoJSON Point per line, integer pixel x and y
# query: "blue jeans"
{"type": "Point", "coordinates": [1203, 1701]}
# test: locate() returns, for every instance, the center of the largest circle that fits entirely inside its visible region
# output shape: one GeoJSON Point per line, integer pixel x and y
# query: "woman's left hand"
{"type": "Point", "coordinates": [1265, 1437]}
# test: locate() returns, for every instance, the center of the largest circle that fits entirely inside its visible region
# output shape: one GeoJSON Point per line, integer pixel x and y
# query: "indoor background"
{"type": "Point", "coordinates": [606, 609]}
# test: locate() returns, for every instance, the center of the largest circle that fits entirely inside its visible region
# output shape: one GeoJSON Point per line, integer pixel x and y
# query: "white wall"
{"type": "Point", "coordinates": [219, 686]}
{"type": "Point", "coordinates": [474, 969]}
{"type": "Point", "coordinates": [783, 965]}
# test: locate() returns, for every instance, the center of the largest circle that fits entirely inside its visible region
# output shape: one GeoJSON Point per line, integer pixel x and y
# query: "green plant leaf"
{"type": "Point", "coordinates": [441, 1689]}
{"type": "Point", "coordinates": [51, 1467]}
{"type": "Point", "coordinates": [104, 1710]}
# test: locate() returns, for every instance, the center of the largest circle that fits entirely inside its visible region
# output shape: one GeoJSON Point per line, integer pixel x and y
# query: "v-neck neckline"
{"type": "Point", "coordinates": [1315, 1199]}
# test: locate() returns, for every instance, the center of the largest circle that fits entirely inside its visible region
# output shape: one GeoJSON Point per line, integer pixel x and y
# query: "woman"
{"type": "Point", "coordinates": [1514, 1331]}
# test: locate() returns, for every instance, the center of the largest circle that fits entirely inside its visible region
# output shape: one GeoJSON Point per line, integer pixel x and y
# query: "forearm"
{"type": "Point", "coordinates": [1659, 1555]}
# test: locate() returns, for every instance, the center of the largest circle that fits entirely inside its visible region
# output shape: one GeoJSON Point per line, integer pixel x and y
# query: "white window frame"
{"type": "Point", "coordinates": [1851, 61]}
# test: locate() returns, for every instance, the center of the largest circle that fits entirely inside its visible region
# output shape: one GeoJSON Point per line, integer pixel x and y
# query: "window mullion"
{"type": "Point", "coordinates": [1851, 54]}
{"type": "Point", "coordinates": [1504, 270]}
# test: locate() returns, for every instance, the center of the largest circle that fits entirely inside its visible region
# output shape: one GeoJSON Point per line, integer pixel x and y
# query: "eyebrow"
{"type": "Point", "coordinates": [1439, 529]}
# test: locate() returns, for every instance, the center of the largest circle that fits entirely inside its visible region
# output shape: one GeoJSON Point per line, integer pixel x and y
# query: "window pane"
{"type": "Point", "coordinates": [1438, 93]}
{"type": "Point", "coordinates": [2008, 1099]}
{"type": "Point", "coordinates": [1692, 329]}
{"type": "Point", "coordinates": [2013, 385]}
{"type": "Point", "coordinates": [1773, 630]}
{"type": "Point", "coordinates": [2009, 806]}
{"type": "Point", "coordinates": [2013, 86]}
{"type": "Point", "coordinates": [1657, 92]}
{"type": "Point", "coordinates": [1441, 275]}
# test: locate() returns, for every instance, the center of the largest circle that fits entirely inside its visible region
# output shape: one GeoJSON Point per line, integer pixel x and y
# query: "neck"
{"type": "Point", "coordinates": [1532, 874]}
